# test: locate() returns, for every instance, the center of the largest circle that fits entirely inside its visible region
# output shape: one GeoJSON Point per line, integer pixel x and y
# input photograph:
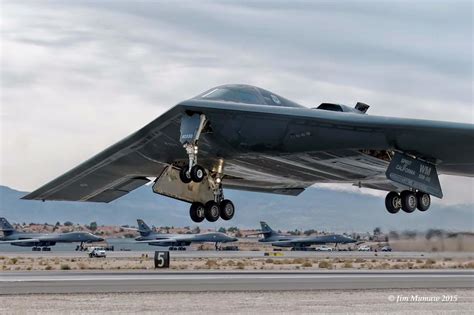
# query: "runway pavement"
{"type": "Point", "coordinates": [159, 281]}
{"type": "Point", "coordinates": [247, 254]}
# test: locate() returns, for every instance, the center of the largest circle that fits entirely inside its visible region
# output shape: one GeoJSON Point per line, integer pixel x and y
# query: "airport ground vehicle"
{"type": "Point", "coordinates": [248, 138]}
{"type": "Point", "coordinates": [386, 249]}
{"type": "Point", "coordinates": [324, 248]}
{"type": "Point", "coordinates": [97, 252]}
{"type": "Point", "coordinates": [364, 248]}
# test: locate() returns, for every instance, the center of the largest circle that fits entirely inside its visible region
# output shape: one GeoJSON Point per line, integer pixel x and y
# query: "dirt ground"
{"type": "Point", "coordinates": [284, 302]}
{"type": "Point", "coordinates": [273, 263]}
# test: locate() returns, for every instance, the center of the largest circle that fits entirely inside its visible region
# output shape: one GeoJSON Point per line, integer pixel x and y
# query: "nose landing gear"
{"type": "Point", "coordinates": [191, 128]}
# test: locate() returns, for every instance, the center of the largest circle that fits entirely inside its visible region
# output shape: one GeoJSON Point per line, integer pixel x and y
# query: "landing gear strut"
{"type": "Point", "coordinates": [408, 201]}
{"type": "Point", "coordinates": [191, 129]}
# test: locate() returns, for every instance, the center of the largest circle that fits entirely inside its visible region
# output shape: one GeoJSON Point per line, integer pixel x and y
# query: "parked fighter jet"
{"type": "Point", "coordinates": [299, 242]}
{"type": "Point", "coordinates": [42, 241]}
{"type": "Point", "coordinates": [248, 138]}
{"type": "Point", "coordinates": [178, 241]}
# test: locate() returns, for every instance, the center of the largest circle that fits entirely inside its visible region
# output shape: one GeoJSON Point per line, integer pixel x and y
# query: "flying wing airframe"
{"type": "Point", "coordinates": [247, 138]}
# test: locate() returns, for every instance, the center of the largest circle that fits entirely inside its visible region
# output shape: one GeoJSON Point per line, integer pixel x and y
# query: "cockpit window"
{"type": "Point", "coordinates": [275, 100]}
{"type": "Point", "coordinates": [246, 94]}
{"type": "Point", "coordinates": [237, 95]}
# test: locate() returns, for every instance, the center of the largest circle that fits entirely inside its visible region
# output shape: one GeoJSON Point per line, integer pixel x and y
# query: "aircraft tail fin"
{"type": "Point", "coordinates": [267, 231]}
{"type": "Point", "coordinates": [6, 227]}
{"type": "Point", "coordinates": [143, 228]}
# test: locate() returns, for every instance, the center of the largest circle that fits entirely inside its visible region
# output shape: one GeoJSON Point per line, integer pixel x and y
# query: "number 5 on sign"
{"type": "Point", "coordinates": [162, 259]}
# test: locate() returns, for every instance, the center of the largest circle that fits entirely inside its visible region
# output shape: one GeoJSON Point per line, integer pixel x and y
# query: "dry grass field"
{"type": "Point", "coordinates": [274, 263]}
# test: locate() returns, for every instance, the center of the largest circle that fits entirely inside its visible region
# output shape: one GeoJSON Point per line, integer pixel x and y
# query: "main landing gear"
{"type": "Point", "coordinates": [177, 248]}
{"type": "Point", "coordinates": [191, 128]}
{"type": "Point", "coordinates": [212, 210]}
{"type": "Point", "coordinates": [408, 201]}
{"type": "Point", "coordinates": [38, 249]}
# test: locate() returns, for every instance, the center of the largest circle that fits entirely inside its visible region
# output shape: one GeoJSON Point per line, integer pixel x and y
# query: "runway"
{"type": "Point", "coordinates": [12, 283]}
{"type": "Point", "coordinates": [247, 254]}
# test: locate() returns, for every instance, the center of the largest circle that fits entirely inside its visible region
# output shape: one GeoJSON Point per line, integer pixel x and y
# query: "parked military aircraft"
{"type": "Point", "coordinates": [248, 138]}
{"type": "Point", "coordinates": [299, 242]}
{"type": "Point", "coordinates": [42, 241]}
{"type": "Point", "coordinates": [178, 241]}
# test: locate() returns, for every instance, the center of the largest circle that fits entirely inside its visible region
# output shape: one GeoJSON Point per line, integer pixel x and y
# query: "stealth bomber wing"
{"type": "Point", "coordinates": [247, 138]}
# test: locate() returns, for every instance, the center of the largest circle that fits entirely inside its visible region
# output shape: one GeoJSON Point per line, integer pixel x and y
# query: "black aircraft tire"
{"type": "Point", "coordinates": [408, 201]}
{"type": "Point", "coordinates": [197, 212]}
{"type": "Point", "coordinates": [212, 211]}
{"type": "Point", "coordinates": [393, 202]}
{"type": "Point", "coordinates": [197, 173]}
{"type": "Point", "coordinates": [184, 175]}
{"type": "Point", "coordinates": [423, 201]}
{"type": "Point", "coordinates": [226, 209]}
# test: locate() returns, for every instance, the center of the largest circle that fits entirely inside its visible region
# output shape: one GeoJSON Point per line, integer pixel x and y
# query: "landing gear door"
{"type": "Point", "coordinates": [169, 184]}
{"type": "Point", "coordinates": [191, 127]}
{"type": "Point", "coordinates": [415, 174]}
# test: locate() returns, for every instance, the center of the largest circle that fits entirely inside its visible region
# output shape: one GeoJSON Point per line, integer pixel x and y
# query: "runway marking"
{"type": "Point", "coordinates": [79, 277]}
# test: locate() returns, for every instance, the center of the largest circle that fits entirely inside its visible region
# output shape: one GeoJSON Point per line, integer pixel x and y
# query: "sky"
{"type": "Point", "coordinates": [77, 76]}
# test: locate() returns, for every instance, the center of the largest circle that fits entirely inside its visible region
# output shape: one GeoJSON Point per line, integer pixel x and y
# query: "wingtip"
{"type": "Point", "coordinates": [30, 197]}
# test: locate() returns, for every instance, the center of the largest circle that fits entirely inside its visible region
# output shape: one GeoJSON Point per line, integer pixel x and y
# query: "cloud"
{"type": "Point", "coordinates": [78, 76]}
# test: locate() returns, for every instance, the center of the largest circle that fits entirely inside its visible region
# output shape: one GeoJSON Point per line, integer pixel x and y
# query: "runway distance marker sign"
{"type": "Point", "coordinates": [162, 259]}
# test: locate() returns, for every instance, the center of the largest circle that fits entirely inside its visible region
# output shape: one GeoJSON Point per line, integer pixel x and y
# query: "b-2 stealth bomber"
{"type": "Point", "coordinates": [247, 138]}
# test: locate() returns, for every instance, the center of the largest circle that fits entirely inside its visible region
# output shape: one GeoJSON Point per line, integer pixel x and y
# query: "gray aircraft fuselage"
{"type": "Point", "coordinates": [186, 239]}
{"type": "Point", "coordinates": [294, 241]}
{"type": "Point", "coordinates": [50, 239]}
{"type": "Point", "coordinates": [277, 239]}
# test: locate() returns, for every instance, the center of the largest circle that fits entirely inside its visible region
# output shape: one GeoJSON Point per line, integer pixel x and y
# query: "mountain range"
{"type": "Point", "coordinates": [317, 208]}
